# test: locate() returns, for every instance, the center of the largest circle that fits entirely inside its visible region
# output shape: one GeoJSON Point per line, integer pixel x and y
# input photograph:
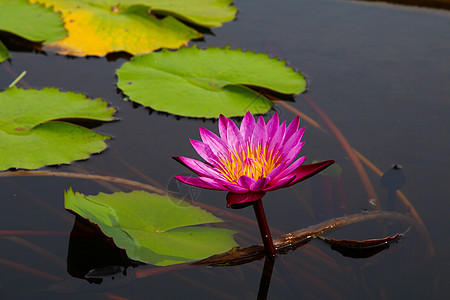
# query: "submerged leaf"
{"type": "Point", "coordinates": [334, 171]}
{"type": "Point", "coordinates": [30, 136]}
{"type": "Point", "coordinates": [206, 83]}
{"type": "Point", "coordinates": [98, 28]}
{"type": "Point", "coordinates": [32, 22]}
{"type": "Point", "coordinates": [361, 249]}
{"type": "Point", "coordinates": [152, 228]}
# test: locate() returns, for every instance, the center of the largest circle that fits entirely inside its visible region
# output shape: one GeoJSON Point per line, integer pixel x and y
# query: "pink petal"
{"type": "Point", "coordinates": [292, 154]}
{"type": "Point", "coordinates": [234, 136]}
{"type": "Point", "coordinates": [214, 182]}
{"type": "Point", "coordinates": [287, 171]}
{"type": "Point", "coordinates": [305, 171]}
{"type": "Point", "coordinates": [194, 181]}
{"type": "Point", "coordinates": [247, 126]}
{"type": "Point", "coordinates": [205, 152]}
{"type": "Point", "coordinates": [292, 142]}
{"type": "Point", "coordinates": [280, 183]}
{"type": "Point", "coordinates": [274, 174]}
{"type": "Point", "coordinates": [259, 136]}
{"type": "Point", "coordinates": [277, 140]}
{"type": "Point", "coordinates": [292, 128]}
{"type": "Point", "coordinates": [199, 167]}
{"type": "Point", "coordinates": [272, 126]}
{"type": "Point", "coordinates": [223, 124]}
{"type": "Point", "coordinates": [237, 198]}
{"type": "Point", "coordinates": [259, 184]}
{"type": "Point", "coordinates": [216, 144]}
{"type": "Point", "coordinates": [245, 181]}
{"type": "Point", "coordinates": [232, 187]}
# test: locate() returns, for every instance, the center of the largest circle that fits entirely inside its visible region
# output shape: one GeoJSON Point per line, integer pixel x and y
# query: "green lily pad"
{"type": "Point", "coordinates": [31, 21]}
{"type": "Point", "coordinates": [32, 134]}
{"type": "Point", "coordinates": [4, 53]}
{"type": "Point", "coordinates": [206, 83]}
{"type": "Point", "coordinates": [49, 143]}
{"type": "Point", "coordinates": [152, 228]}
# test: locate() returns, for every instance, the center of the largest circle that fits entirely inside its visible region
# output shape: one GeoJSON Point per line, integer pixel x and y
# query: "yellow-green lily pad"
{"type": "Point", "coordinates": [100, 27]}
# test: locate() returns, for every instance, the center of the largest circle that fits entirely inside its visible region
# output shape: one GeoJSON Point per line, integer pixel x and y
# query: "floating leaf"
{"type": "Point", "coordinates": [98, 28]}
{"type": "Point", "coordinates": [206, 83]}
{"type": "Point", "coordinates": [361, 249]}
{"type": "Point", "coordinates": [207, 13]}
{"type": "Point", "coordinates": [32, 22]}
{"type": "Point", "coordinates": [152, 228]}
{"type": "Point", "coordinates": [4, 53]}
{"type": "Point", "coordinates": [31, 136]}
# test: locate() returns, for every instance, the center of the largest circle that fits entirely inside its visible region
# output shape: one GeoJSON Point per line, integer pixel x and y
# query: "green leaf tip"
{"type": "Point", "coordinates": [4, 53]}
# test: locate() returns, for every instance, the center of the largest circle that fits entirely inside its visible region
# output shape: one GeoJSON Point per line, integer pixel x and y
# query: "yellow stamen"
{"type": "Point", "coordinates": [255, 162]}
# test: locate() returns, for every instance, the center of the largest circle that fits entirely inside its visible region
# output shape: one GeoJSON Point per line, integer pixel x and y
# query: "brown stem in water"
{"type": "Point", "coordinates": [349, 150]}
{"type": "Point", "coordinates": [29, 270]}
{"type": "Point", "coordinates": [362, 158]}
{"type": "Point", "coordinates": [127, 182]}
{"type": "Point", "coordinates": [341, 139]}
{"type": "Point", "coordinates": [298, 113]}
{"type": "Point", "coordinates": [86, 176]}
{"type": "Point", "coordinates": [293, 240]}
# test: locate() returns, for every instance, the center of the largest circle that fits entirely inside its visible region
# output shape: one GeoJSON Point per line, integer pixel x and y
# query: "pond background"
{"type": "Point", "coordinates": [380, 72]}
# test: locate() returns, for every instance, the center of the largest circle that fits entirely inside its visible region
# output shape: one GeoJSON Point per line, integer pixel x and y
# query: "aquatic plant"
{"type": "Point", "coordinates": [249, 161]}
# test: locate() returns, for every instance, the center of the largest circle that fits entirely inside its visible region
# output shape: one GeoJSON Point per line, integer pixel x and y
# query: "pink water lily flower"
{"type": "Point", "coordinates": [250, 160]}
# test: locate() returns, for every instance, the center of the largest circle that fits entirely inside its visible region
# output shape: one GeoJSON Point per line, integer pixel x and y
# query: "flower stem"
{"type": "Point", "coordinates": [264, 228]}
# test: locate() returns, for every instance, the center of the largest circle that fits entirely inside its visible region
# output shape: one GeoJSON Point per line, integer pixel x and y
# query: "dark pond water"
{"type": "Point", "coordinates": [380, 72]}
